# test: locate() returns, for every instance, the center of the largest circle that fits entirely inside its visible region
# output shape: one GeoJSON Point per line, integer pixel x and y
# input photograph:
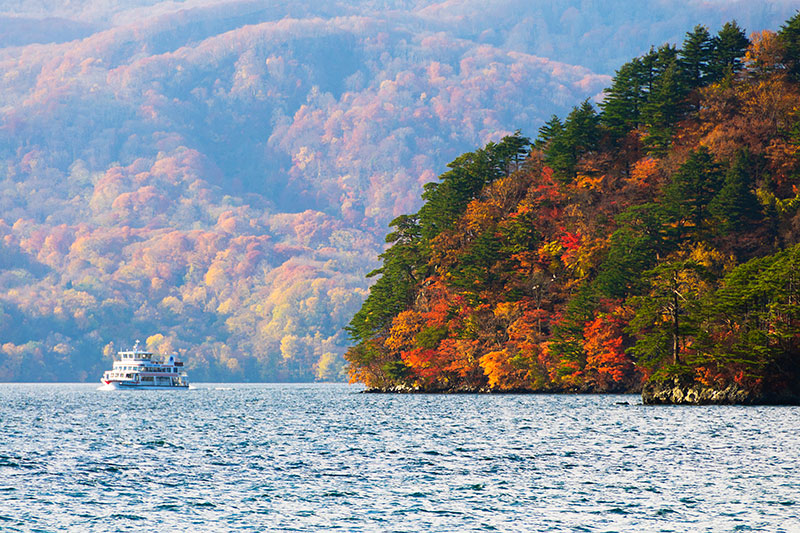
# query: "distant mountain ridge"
{"type": "Point", "coordinates": [217, 176]}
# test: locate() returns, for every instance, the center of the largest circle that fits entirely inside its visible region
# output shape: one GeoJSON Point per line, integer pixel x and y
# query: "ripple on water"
{"type": "Point", "coordinates": [324, 457]}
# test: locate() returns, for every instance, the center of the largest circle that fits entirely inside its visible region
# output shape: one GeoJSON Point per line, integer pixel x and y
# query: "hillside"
{"type": "Point", "coordinates": [653, 239]}
{"type": "Point", "coordinates": [215, 177]}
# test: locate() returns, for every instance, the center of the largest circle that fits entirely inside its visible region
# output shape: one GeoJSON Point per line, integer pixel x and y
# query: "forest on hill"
{"type": "Point", "coordinates": [653, 237]}
{"type": "Point", "coordinates": [215, 177]}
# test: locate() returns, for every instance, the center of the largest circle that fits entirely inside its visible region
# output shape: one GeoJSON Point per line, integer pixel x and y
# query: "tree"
{"type": "Point", "coordinates": [567, 339]}
{"type": "Point", "coordinates": [766, 57]}
{"type": "Point", "coordinates": [633, 248]}
{"type": "Point", "coordinates": [753, 328]}
{"type": "Point", "coordinates": [736, 205]}
{"type": "Point", "coordinates": [688, 193]}
{"type": "Point", "coordinates": [473, 272]}
{"type": "Point", "coordinates": [623, 100]}
{"type": "Point", "coordinates": [394, 289]}
{"type": "Point", "coordinates": [654, 63]}
{"type": "Point", "coordinates": [507, 156]}
{"type": "Point", "coordinates": [558, 274]}
{"type": "Point", "coordinates": [551, 129]}
{"type": "Point", "coordinates": [667, 313]}
{"type": "Point", "coordinates": [663, 109]}
{"type": "Point", "coordinates": [608, 367]}
{"type": "Point", "coordinates": [729, 46]}
{"type": "Point", "coordinates": [695, 57]}
{"type": "Point", "coordinates": [469, 173]}
{"type": "Point", "coordinates": [789, 35]}
{"type": "Point", "coordinates": [580, 135]}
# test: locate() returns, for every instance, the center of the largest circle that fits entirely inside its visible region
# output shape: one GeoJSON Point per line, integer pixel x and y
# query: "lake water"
{"type": "Point", "coordinates": [325, 457]}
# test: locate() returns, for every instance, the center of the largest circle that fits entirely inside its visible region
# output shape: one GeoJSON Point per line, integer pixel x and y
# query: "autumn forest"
{"type": "Point", "coordinates": [216, 178]}
{"type": "Point", "coordinates": [653, 236]}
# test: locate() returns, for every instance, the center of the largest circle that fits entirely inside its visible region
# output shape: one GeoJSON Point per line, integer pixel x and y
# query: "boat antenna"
{"type": "Point", "coordinates": [136, 345]}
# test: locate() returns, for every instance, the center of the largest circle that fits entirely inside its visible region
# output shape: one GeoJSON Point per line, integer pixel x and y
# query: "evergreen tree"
{"type": "Point", "coordinates": [754, 328]}
{"type": "Point", "coordinates": [789, 35]}
{"type": "Point", "coordinates": [507, 155]}
{"type": "Point", "coordinates": [469, 173]}
{"type": "Point", "coordinates": [395, 288]}
{"type": "Point", "coordinates": [551, 129]}
{"type": "Point", "coordinates": [688, 194]}
{"type": "Point", "coordinates": [663, 109]}
{"type": "Point", "coordinates": [729, 46]}
{"type": "Point", "coordinates": [666, 55]}
{"type": "Point", "coordinates": [654, 63]}
{"type": "Point", "coordinates": [473, 272]}
{"type": "Point", "coordinates": [567, 335]}
{"type": "Point", "coordinates": [634, 247]}
{"type": "Point", "coordinates": [667, 313]}
{"type": "Point", "coordinates": [581, 128]}
{"type": "Point", "coordinates": [649, 71]}
{"type": "Point", "coordinates": [623, 100]}
{"type": "Point", "coordinates": [560, 155]}
{"type": "Point", "coordinates": [736, 206]}
{"type": "Point", "coordinates": [695, 57]}
{"type": "Point", "coordinates": [580, 135]}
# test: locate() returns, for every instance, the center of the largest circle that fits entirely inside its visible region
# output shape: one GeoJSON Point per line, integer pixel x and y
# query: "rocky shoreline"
{"type": "Point", "coordinates": [682, 391]}
{"type": "Point", "coordinates": [668, 391]}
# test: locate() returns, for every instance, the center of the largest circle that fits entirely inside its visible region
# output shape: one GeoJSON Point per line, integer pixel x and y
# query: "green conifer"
{"type": "Point", "coordinates": [695, 57]}
{"type": "Point", "coordinates": [789, 35]}
{"type": "Point", "coordinates": [729, 46]}
{"type": "Point", "coordinates": [736, 206]}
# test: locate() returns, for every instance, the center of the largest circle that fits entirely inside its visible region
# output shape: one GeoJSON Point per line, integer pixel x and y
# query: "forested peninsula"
{"type": "Point", "coordinates": [648, 244]}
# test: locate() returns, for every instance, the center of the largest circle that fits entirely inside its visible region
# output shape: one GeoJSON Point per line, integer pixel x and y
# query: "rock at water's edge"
{"type": "Point", "coordinates": [680, 391]}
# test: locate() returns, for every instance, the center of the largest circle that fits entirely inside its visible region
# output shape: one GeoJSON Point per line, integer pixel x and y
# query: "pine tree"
{"type": "Point", "coordinates": [623, 100]}
{"type": "Point", "coordinates": [580, 135]}
{"type": "Point", "coordinates": [755, 319]}
{"type": "Point", "coordinates": [469, 173]}
{"type": "Point", "coordinates": [634, 247]}
{"type": "Point", "coordinates": [663, 109]}
{"type": "Point", "coordinates": [394, 289]}
{"type": "Point", "coordinates": [729, 46]}
{"type": "Point", "coordinates": [789, 35]}
{"type": "Point", "coordinates": [687, 195]}
{"type": "Point", "coordinates": [507, 155]}
{"type": "Point", "coordinates": [668, 312]}
{"type": "Point", "coordinates": [735, 206]}
{"type": "Point", "coordinates": [581, 128]}
{"type": "Point", "coordinates": [649, 70]}
{"type": "Point", "coordinates": [551, 129]}
{"type": "Point", "coordinates": [695, 57]}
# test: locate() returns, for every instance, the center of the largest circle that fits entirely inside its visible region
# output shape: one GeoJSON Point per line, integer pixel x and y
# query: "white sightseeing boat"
{"type": "Point", "coordinates": [137, 369]}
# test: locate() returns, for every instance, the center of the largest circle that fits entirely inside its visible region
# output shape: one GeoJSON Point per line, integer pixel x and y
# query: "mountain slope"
{"type": "Point", "coordinates": [215, 177]}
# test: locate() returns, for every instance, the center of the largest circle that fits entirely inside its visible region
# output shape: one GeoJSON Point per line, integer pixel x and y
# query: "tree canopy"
{"type": "Point", "coordinates": [655, 237]}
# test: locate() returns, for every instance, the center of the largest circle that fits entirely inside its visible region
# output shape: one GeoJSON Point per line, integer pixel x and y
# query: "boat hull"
{"type": "Point", "coordinates": [116, 385]}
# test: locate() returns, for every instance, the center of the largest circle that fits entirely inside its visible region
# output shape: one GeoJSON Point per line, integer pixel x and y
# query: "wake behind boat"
{"type": "Point", "coordinates": [137, 369]}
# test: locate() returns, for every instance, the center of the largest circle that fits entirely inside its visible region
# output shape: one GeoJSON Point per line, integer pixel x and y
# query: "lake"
{"type": "Point", "coordinates": [323, 457]}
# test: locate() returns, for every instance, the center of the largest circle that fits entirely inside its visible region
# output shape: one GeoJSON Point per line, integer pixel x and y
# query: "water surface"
{"type": "Point", "coordinates": [325, 458]}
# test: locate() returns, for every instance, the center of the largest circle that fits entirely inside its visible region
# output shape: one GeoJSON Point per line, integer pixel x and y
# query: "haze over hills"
{"type": "Point", "coordinates": [216, 178]}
